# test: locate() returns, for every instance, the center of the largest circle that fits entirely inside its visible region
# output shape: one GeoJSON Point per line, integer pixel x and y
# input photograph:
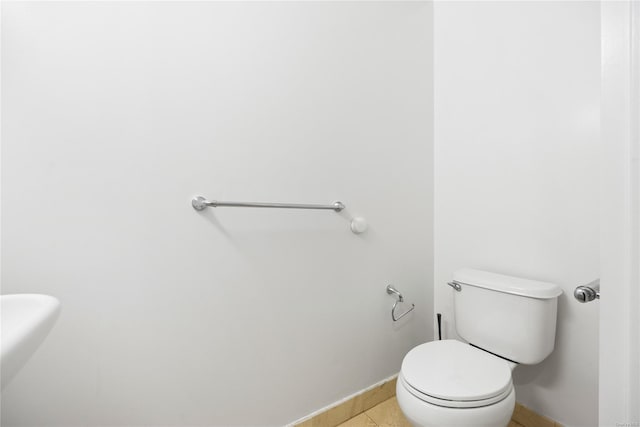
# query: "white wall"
{"type": "Point", "coordinates": [619, 370]}
{"type": "Point", "coordinates": [517, 173]}
{"type": "Point", "coordinates": [115, 114]}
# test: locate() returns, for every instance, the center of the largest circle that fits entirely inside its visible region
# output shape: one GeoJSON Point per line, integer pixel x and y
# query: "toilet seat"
{"type": "Point", "coordinates": [454, 403]}
{"type": "Point", "coordinates": [452, 374]}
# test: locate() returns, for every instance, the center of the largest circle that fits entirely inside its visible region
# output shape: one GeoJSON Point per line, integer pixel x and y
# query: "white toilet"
{"type": "Point", "coordinates": [507, 321]}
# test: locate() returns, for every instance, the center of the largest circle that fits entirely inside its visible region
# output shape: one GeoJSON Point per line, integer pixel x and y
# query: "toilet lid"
{"type": "Point", "coordinates": [453, 370]}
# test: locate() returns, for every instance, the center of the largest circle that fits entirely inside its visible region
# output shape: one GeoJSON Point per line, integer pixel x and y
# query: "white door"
{"type": "Point", "coordinates": [619, 374]}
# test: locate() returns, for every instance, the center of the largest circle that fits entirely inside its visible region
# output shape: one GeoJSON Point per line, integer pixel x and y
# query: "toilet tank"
{"type": "Point", "coordinates": [511, 317]}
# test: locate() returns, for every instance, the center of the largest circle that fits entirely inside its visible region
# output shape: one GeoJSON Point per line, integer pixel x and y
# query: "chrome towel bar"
{"type": "Point", "coordinates": [199, 203]}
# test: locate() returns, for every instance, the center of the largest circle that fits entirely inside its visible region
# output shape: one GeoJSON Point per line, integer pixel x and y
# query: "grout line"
{"type": "Point", "coordinates": [371, 419]}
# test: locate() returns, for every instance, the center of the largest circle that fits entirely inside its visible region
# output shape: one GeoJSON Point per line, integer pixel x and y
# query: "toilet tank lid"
{"type": "Point", "coordinates": [507, 284]}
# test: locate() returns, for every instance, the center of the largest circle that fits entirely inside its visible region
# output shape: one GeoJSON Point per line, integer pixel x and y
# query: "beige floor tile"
{"type": "Point", "coordinates": [352, 407]}
{"type": "Point", "coordinates": [527, 418]}
{"type": "Point", "coordinates": [361, 420]}
{"type": "Point", "coordinates": [388, 414]}
{"type": "Point", "coordinates": [336, 415]}
{"type": "Point", "coordinates": [514, 424]}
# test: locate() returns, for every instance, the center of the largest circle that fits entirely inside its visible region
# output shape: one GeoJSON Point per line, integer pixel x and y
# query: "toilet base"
{"type": "Point", "coordinates": [423, 414]}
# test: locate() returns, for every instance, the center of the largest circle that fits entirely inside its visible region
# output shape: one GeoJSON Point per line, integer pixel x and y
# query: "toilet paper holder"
{"type": "Point", "coordinates": [393, 291]}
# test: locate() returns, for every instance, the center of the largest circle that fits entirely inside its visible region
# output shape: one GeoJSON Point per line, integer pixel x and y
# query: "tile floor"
{"type": "Point", "coordinates": [386, 414]}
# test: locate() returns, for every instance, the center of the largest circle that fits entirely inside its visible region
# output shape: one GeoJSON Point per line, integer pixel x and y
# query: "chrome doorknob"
{"type": "Point", "coordinates": [588, 292]}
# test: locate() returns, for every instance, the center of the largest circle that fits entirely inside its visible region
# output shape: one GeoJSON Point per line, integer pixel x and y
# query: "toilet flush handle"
{"type": "Point", "coordinates": [455, 285]}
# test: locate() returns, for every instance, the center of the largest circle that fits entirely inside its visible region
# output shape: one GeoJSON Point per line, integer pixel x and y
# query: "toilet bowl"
{"type": "Point", "coordinates": [449, 383]}
{"type": "Point", "coordinates": [506, 321]}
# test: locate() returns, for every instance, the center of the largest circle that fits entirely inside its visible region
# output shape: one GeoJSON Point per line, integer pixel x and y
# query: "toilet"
{"type": "Point", "coordinates": [505, 321]}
